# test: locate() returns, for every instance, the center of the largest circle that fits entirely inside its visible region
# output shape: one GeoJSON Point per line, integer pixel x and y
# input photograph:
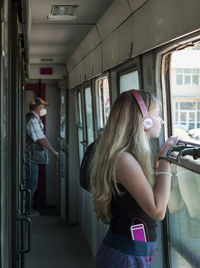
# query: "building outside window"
{"type": "Point", "coordinates": [185, 92]}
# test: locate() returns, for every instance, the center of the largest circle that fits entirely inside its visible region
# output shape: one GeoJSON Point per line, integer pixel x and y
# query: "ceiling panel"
{"type": "Point", "coordinates": [57, 33]}
{"type": "Point", "coordinates": [88, 11]}
{"type": "Point", "coordinates": [60, 39]}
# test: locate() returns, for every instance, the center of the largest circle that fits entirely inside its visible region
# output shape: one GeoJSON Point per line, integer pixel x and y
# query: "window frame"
{"type": "Point", "coordinates": [84, 87]}
{"type": "Point", "coordinates": [162, 79]}
{"type": "Point", "coordinates": [134, 65]}
{"type": "Point", "coordinates": [101, 77]}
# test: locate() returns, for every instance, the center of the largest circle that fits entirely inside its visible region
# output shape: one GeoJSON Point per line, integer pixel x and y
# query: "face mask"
{"type": "Point", "coordinates": [43, 112]}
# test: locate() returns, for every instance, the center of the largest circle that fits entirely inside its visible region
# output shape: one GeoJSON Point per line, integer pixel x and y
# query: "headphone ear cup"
{"type": "Point", "coordinates": [147, 123]}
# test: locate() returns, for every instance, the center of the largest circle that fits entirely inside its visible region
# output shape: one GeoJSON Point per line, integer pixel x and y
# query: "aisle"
{"type": "Point", "coordinates": [54, 245]}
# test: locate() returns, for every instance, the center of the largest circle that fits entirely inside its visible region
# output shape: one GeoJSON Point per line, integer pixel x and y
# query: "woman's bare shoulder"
{"type": "Point", "coordinates": [126, 157]}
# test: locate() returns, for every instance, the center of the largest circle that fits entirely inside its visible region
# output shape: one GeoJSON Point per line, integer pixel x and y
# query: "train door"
{"type": "Point", "coordinates": [5, 224]}
{"type": "Point", "coordinates": [19, 222]}
{"type": "Point", "coordinates": [181, 92]}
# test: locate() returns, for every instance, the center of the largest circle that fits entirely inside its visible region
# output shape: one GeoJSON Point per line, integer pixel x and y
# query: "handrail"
{"type": "Point", "coordinates": [186, 155]}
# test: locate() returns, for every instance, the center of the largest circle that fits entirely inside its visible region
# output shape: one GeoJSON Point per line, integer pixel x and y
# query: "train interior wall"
{"type": "Point", "coordinates": [110, 43]}
{"type": "Point", "coordinates": [94, 231]}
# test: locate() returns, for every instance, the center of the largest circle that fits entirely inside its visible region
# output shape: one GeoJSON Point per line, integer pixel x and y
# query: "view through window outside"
{"type": "Point", "coordinates": [102, 101]}
{"type": "Point", "coordinates": [184, 208]}
{"type": "Point", "coordinates": [185, 92]}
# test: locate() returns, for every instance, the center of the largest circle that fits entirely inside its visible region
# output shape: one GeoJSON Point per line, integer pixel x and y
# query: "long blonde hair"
{"type": "Point", "coordinates": [123, 132]}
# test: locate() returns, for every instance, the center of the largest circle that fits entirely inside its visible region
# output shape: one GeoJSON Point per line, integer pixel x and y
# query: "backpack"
{"type": "Point", "coordinates": [85, 165]}
{"type": "Point", "coordinates": [35, 152]}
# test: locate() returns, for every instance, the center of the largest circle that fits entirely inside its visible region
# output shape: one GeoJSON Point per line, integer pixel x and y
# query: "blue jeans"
{"type": "Point", "coordinates": [32, 173]}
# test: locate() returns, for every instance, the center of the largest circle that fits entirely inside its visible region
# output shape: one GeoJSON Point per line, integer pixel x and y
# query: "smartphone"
{"type": "Point", "coordinates": [138, 232]}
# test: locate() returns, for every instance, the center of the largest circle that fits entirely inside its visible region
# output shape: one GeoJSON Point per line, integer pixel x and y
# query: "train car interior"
{"type": "Point", "coordinates": [79, 56]}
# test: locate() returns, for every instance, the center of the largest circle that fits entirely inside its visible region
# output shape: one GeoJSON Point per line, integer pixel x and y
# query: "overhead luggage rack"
{"type": "Point", "coordinates": [185, 154]}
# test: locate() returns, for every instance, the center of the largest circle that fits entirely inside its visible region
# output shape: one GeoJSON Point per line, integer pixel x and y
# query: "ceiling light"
{"type": "Point", "coordinates": [64, 10]}
{"type": "Point", "coordinates": [61, 17]}
{"type": "Point", "coordinates": [63, 13]}
{"type": "Point", "coordinates": [46, 59]}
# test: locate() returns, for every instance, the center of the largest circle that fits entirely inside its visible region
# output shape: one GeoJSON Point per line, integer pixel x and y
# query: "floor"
{"type": "Point", "coordinates": [56, 245]}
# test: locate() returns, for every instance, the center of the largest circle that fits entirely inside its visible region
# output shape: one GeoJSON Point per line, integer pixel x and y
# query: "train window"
{"type": "Point", "coordinates": [129, 81]}
{"type": "Point", "coordinates": [184, 218]}
{"type": "Point", "coordinates": [184, 209]}
{"type": "Point", "coordinates": [102, 101]}
{"type": "Point", "coordinates": [80, 126]}
{"type": "Point", "coordinates": [185, 93]}
{"type": "Point", "coordinates": [89, 116]}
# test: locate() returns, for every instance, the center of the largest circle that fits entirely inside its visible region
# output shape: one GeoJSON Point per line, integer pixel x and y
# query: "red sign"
{"type": "Point", "coordinates": [46, 71]}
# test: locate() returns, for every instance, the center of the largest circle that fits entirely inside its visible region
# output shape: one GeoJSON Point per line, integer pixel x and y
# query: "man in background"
{"type": "Point", "coordinates": [37, 145]}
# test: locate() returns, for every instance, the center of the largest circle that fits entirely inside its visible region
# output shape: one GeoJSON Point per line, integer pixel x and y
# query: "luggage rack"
{"type": "Point", "coordinates": [185, 154]}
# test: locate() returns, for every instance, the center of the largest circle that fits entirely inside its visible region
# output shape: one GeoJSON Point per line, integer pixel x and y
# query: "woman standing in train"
{"type": "Point", "coordinates": [122, 176]}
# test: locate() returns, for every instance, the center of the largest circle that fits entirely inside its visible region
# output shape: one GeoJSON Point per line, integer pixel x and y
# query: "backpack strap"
{"type": "Point", "coordinates": [29, 116]}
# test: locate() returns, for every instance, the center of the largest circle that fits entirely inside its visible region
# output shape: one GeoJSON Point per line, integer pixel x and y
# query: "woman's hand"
{"type": "Point", "coordinates": [171, 142]}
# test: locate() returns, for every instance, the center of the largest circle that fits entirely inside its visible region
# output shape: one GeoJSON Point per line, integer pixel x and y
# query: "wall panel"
{"type": "Point", "coordinates": [59, 71]}
{"type": "Point", "coordinates": [89, 43]}
{"type": "Point", "coordinates": [135, 4]}
{"type": "Point", "coordinates": [117, 46]}
{"type": "Point", "coordinates": [113, 17]}
{"type": "Point", "coordinates": [76, 76]}
{"type": "Point", "coordinates": [159, 22]}
{"type": "Point", "coordinates": [93, 63]}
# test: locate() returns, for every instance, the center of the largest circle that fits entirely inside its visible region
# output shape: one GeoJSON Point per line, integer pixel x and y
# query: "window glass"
{"type": "Point", "coordinates": [79, 109]}
{"type": "Point", "coordinates": [187, 71]}
{"type": "Point", "coordinates": [129, 81]}
{"type": "Point", "coordinates": [179, 71]}
{"type": "Point", "coordinates": [176, 116]}
{"type": "Point", "coordinates": [183, 206]}
{"type": "Point", "coordinates": [198, 116]}
{"type": "Point", "coordinates": [102, 101]}
{"type": "Point", "coordinates": [80, 128]}
{"type": "Point", "coordinates": [183, 117]}
{"type": "Point", "coordinates": [187, 80]}
{"type": "Point", "coordinates": [195, 79]}
{"type": "Point", "coordinates": [184, 218]}
{"type": "Point", "coordinates": [187, 76]}
{"type": "Point", "coordinates": [89, 117]}
{"type": "Point", "coordinates": [188, 105]}
{"type": "Point", "coordinates": [185, 92]}
{"type": "Point", "coordinates": [81, 147]}
{"type": "Point", "coordinates": [179, 79]}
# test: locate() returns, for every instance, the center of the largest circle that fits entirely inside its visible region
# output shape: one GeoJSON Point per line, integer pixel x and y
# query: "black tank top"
{"type": "Point", "coordinates": [124, 208]}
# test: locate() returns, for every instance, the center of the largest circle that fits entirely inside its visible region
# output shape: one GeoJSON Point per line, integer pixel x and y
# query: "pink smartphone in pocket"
{"type": "Point", "coordinates": [138, 232]}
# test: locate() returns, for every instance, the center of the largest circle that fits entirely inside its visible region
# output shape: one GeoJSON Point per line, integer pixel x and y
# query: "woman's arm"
{"type": "Point", "coordinates": [131, 176]}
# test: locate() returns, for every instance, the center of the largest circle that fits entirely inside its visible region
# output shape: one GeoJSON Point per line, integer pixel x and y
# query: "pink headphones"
{"type": "Point", "coordinates": [147, 119]}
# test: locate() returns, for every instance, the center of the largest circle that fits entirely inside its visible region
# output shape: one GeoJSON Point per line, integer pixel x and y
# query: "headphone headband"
{"type": "Point", "coordinates": [147, 120]}
{"type": "Point", "coordinates": [141, 103]}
